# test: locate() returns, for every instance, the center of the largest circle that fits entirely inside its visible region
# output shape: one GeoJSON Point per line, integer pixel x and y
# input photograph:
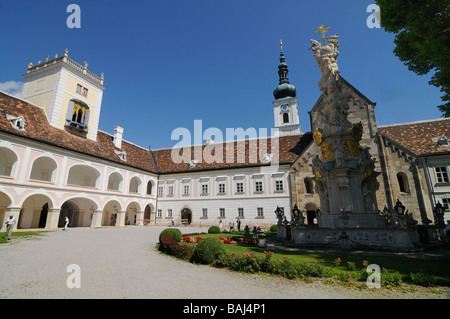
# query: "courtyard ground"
{"type": "Point", "coordinates": [124, 263]}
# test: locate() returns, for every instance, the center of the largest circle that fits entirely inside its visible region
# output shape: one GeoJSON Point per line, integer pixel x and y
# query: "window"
{"type": "Point", "coordinates": [186, 189]}
{"type": "Point", "coordinates": [239, 187]}
{"type": "Point", "coordinates": [442, 174]}
{"type": "Point", "coordinates": [279, 185]}
{"type": "Point", "coordinates": [309, 186]}
{"type": "Point", "coordinates": [222, 212]}
{"type": "Point", "coordinates": [222, 188]}
{"type": "Point", "coordinates": [135, 185]}
{"type": "Point", "coordinates": [159, 215]}
{"type": "Point", "coordinates": [204, 212]}
{"type": "Point", "coordinates": [160, 190]}
{"type": "Point", "coordinates": [77, 115]}
{"type": "Point", "coordinates": [446, 203]}
{"type": "Point", "coordinates": [260, 212]}
{"type": "Point", "coordinates": [258, 186]}
{"type": "Point", "coordinates": [82, 90]}
{"type": "Point", "coordinates": [170, 190]}
{"type": "Point", "coordinates": [169, 213]}
{"type": "Point", "coordinates": [204, 189]}
{"type": "Point", "coordinates": [240, 212]}
{"type": "Point", "coordinates": [285, 118]}
{"type": "Point", "coordinates": [115, 182]}
{"type": "Point", "coordinates": [402, 180]}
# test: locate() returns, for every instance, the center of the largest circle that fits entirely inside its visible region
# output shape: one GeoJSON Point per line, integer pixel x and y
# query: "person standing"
{"type": "Point", "coordinates": [239, 224]}
{"type": "Point", "coordinates": [231, 225]}
{"type": "Point", "coordinates": [66, 223]}
{"type": "Point", "coordinates": [220, 223]}
{"type": "Point", "coordinates": [10, 222]}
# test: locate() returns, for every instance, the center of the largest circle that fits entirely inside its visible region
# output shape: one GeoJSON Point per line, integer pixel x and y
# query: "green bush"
{"type": "Point", "coordinates": [173, 232]}
{"type": "Point", "coordinates": [273, 228]}
{"type": "Point", "coordinates": [422, 279]}
{"type": "Point", "coordinates": [214, 230]}
{"type": "Point", "coordinates": [207, 250]}
{"type": "Point", "coordinates": [390, 278]}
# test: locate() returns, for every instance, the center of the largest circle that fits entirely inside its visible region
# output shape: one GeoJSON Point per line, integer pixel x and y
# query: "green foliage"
{"type": "Point", "coordinates": [173, 232]}
{"type": "Point", "coordinates": [422, 39]}
{"type": "Point", "coordinates": [207, 250]}
{"type": "Point", "coordinates": [273, 228]}
{"type": "Point", "coordinates": [390, 278]}
{"type": "Point", "coordinates": [214, 230]}
{"type": "Point", "coordinates": [422, 279]}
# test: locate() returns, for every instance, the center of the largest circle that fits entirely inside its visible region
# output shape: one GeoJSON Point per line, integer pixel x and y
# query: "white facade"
{"type": "Point", "coordinates": [251, 195]}
{"type": "Point", "coordinates": [37, 180]}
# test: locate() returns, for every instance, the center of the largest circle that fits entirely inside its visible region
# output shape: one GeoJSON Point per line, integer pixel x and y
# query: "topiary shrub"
{"type": "Point", "coordinates": [207, 250]}
{"type": "Point", "coordinates": [273, 228]}
{"type": "Point", "coordinates": [214, 230]}
{"type": "Point", "coordinates": [173, 232]}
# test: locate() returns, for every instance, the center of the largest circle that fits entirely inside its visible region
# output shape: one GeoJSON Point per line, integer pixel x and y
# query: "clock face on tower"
{"type": "Point", "coordinates": [284, 108]}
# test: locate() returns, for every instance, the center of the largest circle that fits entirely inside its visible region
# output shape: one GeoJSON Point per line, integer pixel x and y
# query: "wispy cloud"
{"type": "Point", "coordinates": [12, 87]}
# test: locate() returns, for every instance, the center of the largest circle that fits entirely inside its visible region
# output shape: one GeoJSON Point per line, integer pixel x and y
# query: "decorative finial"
{"type": "Point", "coordinates": [30, 65]}
{"type": "Point", "coordinates": [103, 75]}
{"type": "Point", "coordinates": [56, 55]}
{"type": "Point", "coordinates": [281, 44]}
{"type": "Point", "coordinates": [85, 64]}
{"type": "Point", "coordinates": [46, 58]}
{"type": "Point", "coordinates": [66, 52]}
{"type": "Point", "coordinates": [323, 29]}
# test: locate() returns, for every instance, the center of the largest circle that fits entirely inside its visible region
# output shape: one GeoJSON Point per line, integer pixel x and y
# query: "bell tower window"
{"type": "Point", "coordinates": [77, 115]}
{"type": "Point", "coordinates": [285, 118]}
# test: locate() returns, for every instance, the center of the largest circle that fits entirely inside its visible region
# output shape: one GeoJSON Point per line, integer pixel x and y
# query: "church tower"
{"type": "Point", "coordinates": [285, 106]}
{"type": "Point", "coordinates": [69, 93]}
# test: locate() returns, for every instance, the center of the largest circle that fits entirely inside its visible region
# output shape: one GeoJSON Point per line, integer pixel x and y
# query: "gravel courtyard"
{"type": "Point", "coordinates": [123, 263]}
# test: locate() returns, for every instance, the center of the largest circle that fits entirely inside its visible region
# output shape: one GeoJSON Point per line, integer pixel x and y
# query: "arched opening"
{"type": "Point", "coordinates": [131, 214]}
{"type": "Point", "coordinates": [186, 216]}
{"type": "Point", "coordinates": [149, 187]}
{"type": "Point", "coordinates": [83, 175]}
{"type": "Point", "coordinates": [115, 182]}
{"type": "Point", "coordinates": [44, 169]}
{"type": "Point", "coordinates": [5, 202]}
{"type": "Point", "coordinates": [403, 184]}
{"type": "Point", "coordinates": [149, 214]}
{"type": "Point", "coordinates": [311, 214]}
{"type": "Point", "coordinates": [79, 211]}
{"type": "Point", "coordinates": [34, 212]}
{"type": "Point", "coordinates": [309, 187]}
{"type": "Point", "coordinates": [135, 185]}
{"type": "Point", "coordinates": [112, 208]}
{"type": "Point", "coordinates": [285, 118]}
{"type": "Point", "coordinates": [8, 162]}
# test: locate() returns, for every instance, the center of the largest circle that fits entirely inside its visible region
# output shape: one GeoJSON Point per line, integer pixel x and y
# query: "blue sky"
{"type": "Point", "coordinates": [170, 62]}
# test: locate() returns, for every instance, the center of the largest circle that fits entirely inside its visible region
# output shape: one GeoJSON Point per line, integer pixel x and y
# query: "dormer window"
{"type": "Point", "coordinates": [77, 115]}
{"type": "Point", "coordinates": [17, 123]}
{"type": "Point", "coordinates": [122, 155]}
{"type": "Point", "coordinates": [193, 163]}
{"type": "Point", "coordinates": [441, 141]}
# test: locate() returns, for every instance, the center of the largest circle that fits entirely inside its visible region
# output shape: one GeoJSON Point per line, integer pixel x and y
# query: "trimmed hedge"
{"type": "Point", "coordinates": [171, 247]}
{"type": "Point", "coordinates": [173, 232]}
{"type": "Point", "coordinates": [207, 250]}
{"type": "Point", "coordinates": [214, 230]}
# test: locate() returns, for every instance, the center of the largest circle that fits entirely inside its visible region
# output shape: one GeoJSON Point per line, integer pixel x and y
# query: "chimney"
{"type": "Point", "coordinates": [118, 133]}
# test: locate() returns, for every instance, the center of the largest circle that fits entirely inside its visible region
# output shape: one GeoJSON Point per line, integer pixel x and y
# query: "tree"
{"type": "Point", "coordinates": [422, 29]}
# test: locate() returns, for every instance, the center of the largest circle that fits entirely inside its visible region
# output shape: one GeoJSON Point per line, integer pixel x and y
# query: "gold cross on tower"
{"type": "Point", "coordinates": [323, 29]}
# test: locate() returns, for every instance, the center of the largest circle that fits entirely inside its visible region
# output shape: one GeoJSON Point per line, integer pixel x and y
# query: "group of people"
{"type": "Point", "coordinates": [231, 224]}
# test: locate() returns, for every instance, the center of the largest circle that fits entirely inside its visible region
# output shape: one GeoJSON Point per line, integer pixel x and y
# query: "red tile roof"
{"type": "Point", "coordinates": [417, 136]}
{"type": "Point", "coordinates": [156, 161]}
